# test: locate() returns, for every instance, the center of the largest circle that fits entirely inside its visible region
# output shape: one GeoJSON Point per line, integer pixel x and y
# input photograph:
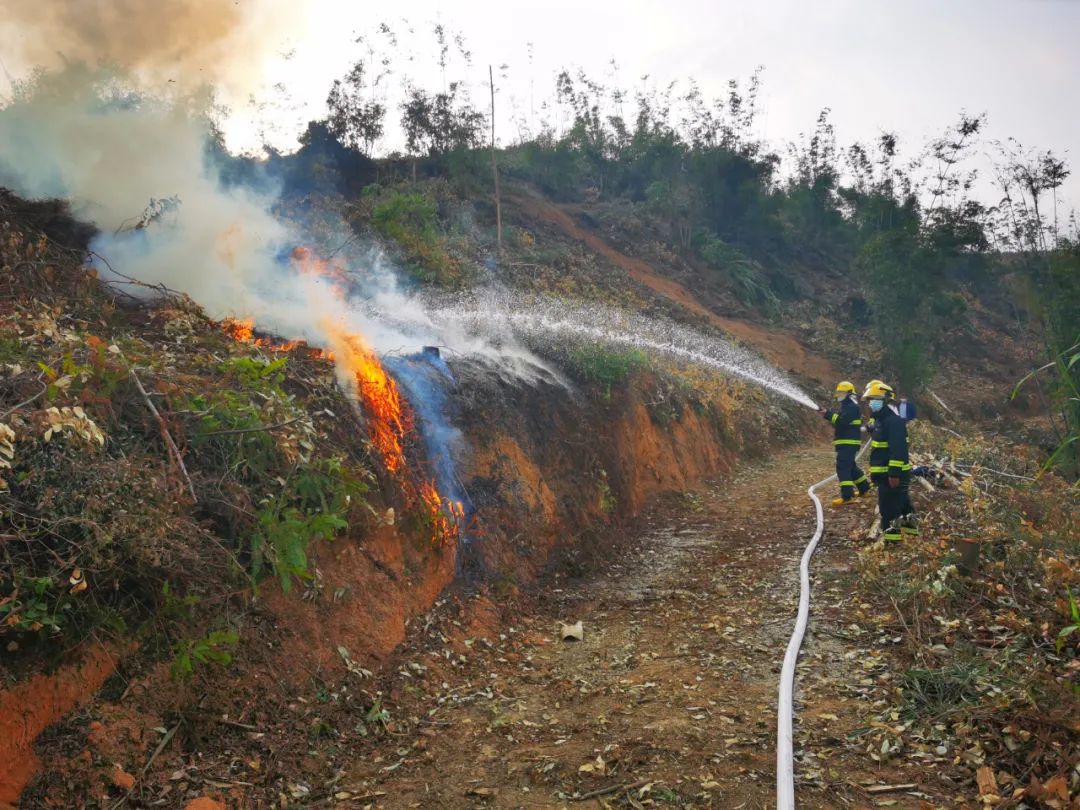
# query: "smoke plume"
{"type": "Point", "coordinates": [191, 43]}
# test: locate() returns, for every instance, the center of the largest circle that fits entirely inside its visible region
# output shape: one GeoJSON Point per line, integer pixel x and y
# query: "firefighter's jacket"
{"type": "Point", "coordinates": [846, 422]}
{"type": "Point", "coordinates": [889, 446]}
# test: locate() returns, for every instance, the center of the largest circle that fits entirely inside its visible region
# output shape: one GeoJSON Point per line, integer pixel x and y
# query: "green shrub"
{"type": "Point", "coordinates": [410, 220]}
{"type": "Point", "coordinates": [747, 276]}
{"type": "Point", "coordinates": [213, 649]}
{"type": "Point", "coordinates": [607, 368]}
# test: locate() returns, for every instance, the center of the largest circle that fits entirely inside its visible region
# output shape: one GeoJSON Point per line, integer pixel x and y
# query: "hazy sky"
{"type": "Point", "coordinates": [903, 65]}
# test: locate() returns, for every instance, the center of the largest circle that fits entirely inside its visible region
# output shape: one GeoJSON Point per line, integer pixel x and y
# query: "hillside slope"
{"type": "Point", "coordinates": [247, 458]}
{"type": "Point", "coordinates": [252, 565]}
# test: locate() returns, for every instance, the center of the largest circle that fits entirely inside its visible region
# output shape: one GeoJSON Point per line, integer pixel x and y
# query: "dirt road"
{"type": "Point", "coordinates": [670, 698]}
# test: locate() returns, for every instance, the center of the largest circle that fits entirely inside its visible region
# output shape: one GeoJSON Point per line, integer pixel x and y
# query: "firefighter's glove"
{"type": "Point", "coordinates": [894, 482]}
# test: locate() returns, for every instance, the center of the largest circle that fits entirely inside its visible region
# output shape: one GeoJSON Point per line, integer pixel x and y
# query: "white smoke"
{"type": "Point", "coordinates": [83, 136]}
{"type": "Point", "coordinates": [95, 136]}
{"type": "Point", "coordinates": [182, 44]}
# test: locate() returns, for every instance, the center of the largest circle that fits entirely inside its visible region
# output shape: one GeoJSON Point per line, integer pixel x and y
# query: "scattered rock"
{"type": "Point", "coordinates": [205, 803]}
{"type": "Point", "coordinates": [572, 632]}
{"type": "Point", "coordinates": [122, 779]}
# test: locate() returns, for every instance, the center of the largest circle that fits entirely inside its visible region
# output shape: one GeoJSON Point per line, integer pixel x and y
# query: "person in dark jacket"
{"type": "Point", "coordinates": [907, 410]}
{"type": "Point", "coordinates": [890, 465]}
{"type": "Point", "coordinates": [847, 424]}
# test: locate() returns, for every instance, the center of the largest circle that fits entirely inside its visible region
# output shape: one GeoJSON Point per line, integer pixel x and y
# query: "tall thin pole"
{"type": "Point", "coordinates": [494, 165]}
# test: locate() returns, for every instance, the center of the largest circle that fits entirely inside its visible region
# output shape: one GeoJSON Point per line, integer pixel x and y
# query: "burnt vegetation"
{"type": "Point", "coordinates": [156, 471]}
{"type": "Point", "coordinates": [154, 468]}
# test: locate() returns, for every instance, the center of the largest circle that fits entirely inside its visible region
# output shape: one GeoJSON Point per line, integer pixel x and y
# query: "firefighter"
{"type": "Point", "coordinates": [847, 423]}
{"type": "Point", "coordinates": [869, 426]}
{"type": "Point", "coordinates": [890, 467]}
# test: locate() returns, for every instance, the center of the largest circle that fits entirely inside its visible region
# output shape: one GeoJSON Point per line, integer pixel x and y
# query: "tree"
{"type": "Point", "coordinates": [1028, 236]}
{"type": "Point", "coordinates": [355, 119]}
{"type": "Point", "coordinates": [441, 123]}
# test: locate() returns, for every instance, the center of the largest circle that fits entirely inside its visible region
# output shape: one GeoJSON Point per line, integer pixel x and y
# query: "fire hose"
{"type": "Point", "coordinates": [785, 768]}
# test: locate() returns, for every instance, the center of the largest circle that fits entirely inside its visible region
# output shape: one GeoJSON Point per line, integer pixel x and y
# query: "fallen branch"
{"type": "Point", "coordinates": [236, 724]}
{"type": "Point", "coordinates": [940, 402]}
{"type": "Point", "coordinates": [159, 287]}
{"type": "Point", "coordinates": [607, 791]}
{"type": "Point", "coordinates": [876, 790]}
{"type": "Point", "coordinates": [142, 774]}
{"type": "Point", "coordinates": [174, 450]}
{"type": "Point", "coordinates": [998, 472]}
{"type": "Point", "coordinates": [24, 403]}
{"type": "Point", "coordinates": [253, 429]}
{"type": "Point", "coordinates": [160, 747]}
{"type": "Point", "coordinates": [874, 529]}
{"type": "Point", "coordinates": [947, 430]}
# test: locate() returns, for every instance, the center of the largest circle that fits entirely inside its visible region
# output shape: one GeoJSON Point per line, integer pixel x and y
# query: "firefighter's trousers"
{"type": "Point", "coordinates": [894, 503]}
{"type": "Point", "coordinates": [847, 471]}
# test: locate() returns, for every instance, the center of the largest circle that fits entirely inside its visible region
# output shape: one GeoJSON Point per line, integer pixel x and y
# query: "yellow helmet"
{"type": "Point", "coordinates": [876, 389]}
{"type": "Point", "coordinates": [845, 387]}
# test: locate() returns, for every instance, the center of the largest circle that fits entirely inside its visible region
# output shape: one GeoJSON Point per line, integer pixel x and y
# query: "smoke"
{"type": "Point", "coordinates": [136, 164]}
{"type": "Point", "coordinates": [79, 136]}
{"type": "Point", "coordinates": [189, 43]}
{"type": "Point", "coordinates": [85, 136]}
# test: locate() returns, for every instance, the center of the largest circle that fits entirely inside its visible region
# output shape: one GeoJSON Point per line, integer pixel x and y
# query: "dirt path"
{"type": "Point", "coordinates": [671, 695]}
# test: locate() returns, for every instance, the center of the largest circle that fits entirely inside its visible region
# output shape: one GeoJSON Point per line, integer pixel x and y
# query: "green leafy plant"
{"type": "Point", "coordinates": [606, 498]}
{"type": "Point", "coordinates": [313, 507]}
{"type": "Point", "coordinates": [607, 368]}
{"type": "Point", "coordinates": [937, 692]}
{"type": "Point", "coordinates": [214, 649]}
{"type": "Point", "coordinates": [29, 607]}
{"type": "Point", "coordinates": [1074, 611]}
{"type": "Point", "coordinates": [746, 275]}
{"type": "Point", "coordinates": [411, 221]}
{"type": "Point", "coordinates": [256, 373]}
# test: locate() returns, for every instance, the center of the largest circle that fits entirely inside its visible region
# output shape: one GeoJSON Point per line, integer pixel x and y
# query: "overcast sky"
{"type": "Point", "coordinates": [903, 65]}
{"type": "Point", "coordinates": [908, 66]}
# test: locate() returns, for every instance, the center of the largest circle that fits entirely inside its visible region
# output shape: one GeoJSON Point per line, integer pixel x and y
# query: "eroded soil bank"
{"type": "Point", "coordinates": [556, 479]}
{"type": "Point", "coordinates": [670, 697]}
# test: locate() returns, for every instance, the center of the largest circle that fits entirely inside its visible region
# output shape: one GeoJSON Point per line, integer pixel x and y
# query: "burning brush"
{"type": "Point", "coordinates": [389, 417]}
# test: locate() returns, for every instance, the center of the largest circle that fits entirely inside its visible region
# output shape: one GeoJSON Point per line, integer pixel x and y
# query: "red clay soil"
{"type": "Point", "coordinates": [670, 698]}
{"type": "Point", "coordinates": [34, 704]}
{"type": "Point", "coordinates": [368, 588]}
{"type": "Point", "coordinates": [778, 347]}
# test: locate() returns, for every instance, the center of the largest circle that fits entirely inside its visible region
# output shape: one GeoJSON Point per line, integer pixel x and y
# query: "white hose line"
{"type": "Point", "coordinates": [785, 767]}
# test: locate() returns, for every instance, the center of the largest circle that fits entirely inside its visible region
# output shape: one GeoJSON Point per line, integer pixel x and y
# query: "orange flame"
{"type": "Point", "coordinates": [309, 264]}
{"type": "Point", "coordinates": [243, 331]}
{"type": "Point", "coordinates": [444, 515]}
{"type": "Point", "coordinates": [378, 394]}
{"type": "Point", "coordinates": [389, 420]}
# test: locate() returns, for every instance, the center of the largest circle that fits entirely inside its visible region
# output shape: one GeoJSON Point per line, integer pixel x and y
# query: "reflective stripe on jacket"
{"type": "Point", "coordinates": [846, 421]}
{"type": "Point", "coordinates": [889, 446]}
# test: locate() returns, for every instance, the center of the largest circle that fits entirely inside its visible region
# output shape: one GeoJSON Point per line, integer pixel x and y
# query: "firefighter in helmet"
{"type": "Point", "coordinates": [847, 423]}
{"type": "Point", "coordinates": [890, 466]}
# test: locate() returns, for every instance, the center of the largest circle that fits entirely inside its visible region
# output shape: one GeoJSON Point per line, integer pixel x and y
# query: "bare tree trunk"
{"type": "Point", "coordinates": [495, 166]}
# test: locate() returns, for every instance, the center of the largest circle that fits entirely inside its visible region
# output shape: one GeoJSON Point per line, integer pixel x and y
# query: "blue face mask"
{"type": "Point", "coordinates": [876, 405]}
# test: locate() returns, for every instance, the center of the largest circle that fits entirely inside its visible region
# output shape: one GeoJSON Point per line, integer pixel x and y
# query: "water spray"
{"type": "Point", "coordinates": [544, 319]}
